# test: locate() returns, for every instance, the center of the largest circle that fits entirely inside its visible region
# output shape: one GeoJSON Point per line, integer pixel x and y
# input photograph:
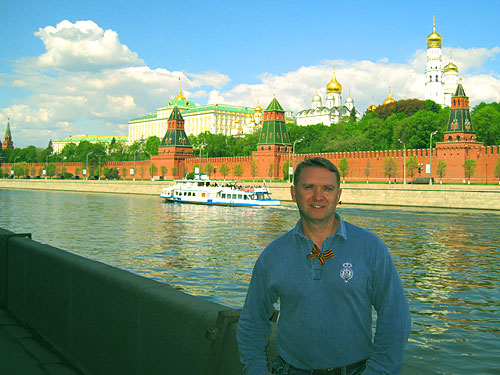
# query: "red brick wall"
{"type": "Point", "coordinates": [454, 154]}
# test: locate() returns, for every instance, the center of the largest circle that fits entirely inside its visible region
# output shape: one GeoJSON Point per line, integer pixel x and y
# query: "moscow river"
{"type": "Point", "coordinates": [449, 261]}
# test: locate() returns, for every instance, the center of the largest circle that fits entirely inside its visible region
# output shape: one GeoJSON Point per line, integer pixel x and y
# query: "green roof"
{"type": "Point", "coordinates": [274, 106]}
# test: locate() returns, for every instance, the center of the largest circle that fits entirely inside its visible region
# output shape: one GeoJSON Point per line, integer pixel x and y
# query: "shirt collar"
{"type": "Point", "coordinates": [341, 230]}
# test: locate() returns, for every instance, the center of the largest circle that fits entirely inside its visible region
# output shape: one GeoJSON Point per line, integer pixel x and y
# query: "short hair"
{"type": "Point", "coordinates": [317, 162]}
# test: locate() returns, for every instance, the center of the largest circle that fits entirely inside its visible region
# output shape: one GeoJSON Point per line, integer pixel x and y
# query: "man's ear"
{"type": "Point", "coordinates": [292, 192]}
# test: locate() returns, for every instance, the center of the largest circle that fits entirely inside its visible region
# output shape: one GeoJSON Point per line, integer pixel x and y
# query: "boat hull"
{"type": "Point", "coordinates": [222, 202]}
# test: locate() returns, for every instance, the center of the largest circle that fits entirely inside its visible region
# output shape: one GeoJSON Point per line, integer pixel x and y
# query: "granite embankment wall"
{"type": "Point", "coordinates": [109, 321]}
{"type": "Point", "coordinates": [465, 196]}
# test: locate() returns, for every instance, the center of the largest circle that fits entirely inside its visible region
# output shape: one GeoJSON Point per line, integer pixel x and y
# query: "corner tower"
{"type": "Point", "coordinates": [7, 141]}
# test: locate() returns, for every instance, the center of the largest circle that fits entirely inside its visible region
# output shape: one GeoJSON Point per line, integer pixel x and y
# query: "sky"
{"type": "Point", "coordinates": [89, 67]}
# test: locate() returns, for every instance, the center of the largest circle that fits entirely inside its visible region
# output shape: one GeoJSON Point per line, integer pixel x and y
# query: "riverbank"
{"type": "Point", "coordinates": [484, 197]}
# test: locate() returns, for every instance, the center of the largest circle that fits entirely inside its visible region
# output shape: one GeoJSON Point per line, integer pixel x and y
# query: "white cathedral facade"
{"type": "Point", "coordinates": [440, 82]}
{"type": "Point", "coordinates": [333, 109]}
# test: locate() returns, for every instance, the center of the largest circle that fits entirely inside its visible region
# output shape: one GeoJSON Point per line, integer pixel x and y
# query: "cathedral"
{"type": "Point", "coordinates": [332, 111]}
{"type": "Point", "coordinates": [440, 82]}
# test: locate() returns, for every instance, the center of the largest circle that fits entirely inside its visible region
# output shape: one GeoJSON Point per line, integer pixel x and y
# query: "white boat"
{"type": "Point", "coordinates": [202, 190]}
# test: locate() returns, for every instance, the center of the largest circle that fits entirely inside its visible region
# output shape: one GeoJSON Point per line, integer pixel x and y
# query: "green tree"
{"type": "Point", "coordinates": [163, 171]}
{"type": "Point", "coordinates": [153, 169]}
{"type": "Point", "coordinates": [254, 169]}
{"type": "Point", "coordinates": [367, 170]}
{"type": "Point", "coordinates": [238, 170]}
{"type": "Point", "coordinates": [51, 170]}
{"type": "Point", "coordinates": [343, 168]}
{"type": "Point", "coordinates": [469, 168]}
{"type": "Point", "coordinates": [286, 168]}
{"type": "Point", "coordinates": [224, 170]}
{"type": "Point", "coordinates": [497, 170]}
{"type": "Point", "coordinates": [151, 145]}
{"type": "Point", "coordinates": [175, 170]}
{"type": "Point", "coordinates": [411, 166]}
{"type": "Point", "coordinates": [209, 168]}
{"type": "Point", "coordinates": [124, 172]}
{"type": "Point", "coordinates": [441, 169]}
{"type": "Point", "coordinates": [486, 123]}
{"type": "Point", "coordinates": [390, 167]}
{"type": "Point", "coordinates": [270, 171]}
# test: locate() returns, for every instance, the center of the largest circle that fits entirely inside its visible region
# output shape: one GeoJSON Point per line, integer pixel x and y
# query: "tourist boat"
{"type": "Point", "coordinates": [202, 190]}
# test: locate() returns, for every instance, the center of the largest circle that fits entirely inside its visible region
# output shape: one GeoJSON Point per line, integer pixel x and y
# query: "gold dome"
{"type": "Point", "coordinates": [373, 107]}
{"type": "Point", "coordinates": [434, 39]}
{"type": "Point", "coordinates": [451, 66]}
{"type": "Point", "coordinates": [333, 85]}
{"type": "Point", "coordinates": [389, 99]}
{"type": "Point", "coordinates": [258, 109]}
{"type": "Point", "coordinates": [180, 96]}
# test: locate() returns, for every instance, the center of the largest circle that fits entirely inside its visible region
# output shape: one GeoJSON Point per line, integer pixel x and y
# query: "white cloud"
{"type": "Point", "coordinates": [83, 46]}
{"type": "Point", "coordinates": [87, 82]}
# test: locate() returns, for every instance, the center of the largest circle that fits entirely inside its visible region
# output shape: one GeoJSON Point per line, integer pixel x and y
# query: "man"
{"type": "Point", "coordinates": [327, 275]}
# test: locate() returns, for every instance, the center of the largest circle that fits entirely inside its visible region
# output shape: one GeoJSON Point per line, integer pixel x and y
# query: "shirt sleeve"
{"type": "Point", "coordinates": [393, 319]}
{"type": "Point", "coordinates": [254, 326]}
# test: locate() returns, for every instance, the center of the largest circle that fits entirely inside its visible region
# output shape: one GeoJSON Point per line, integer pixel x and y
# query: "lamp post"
{"type": "Point", "coordinates": [404, 161]}
{"type": "Point", "coordinates": [87, 167]}
{"type": "Point", "coordinates": [14, 165]}
{"type": "Point", "coordinates": [293, 151]}
{"type": "Point", "coordinates": [201, 147]}
{"type": "Point", "coordinates": [64, 157]}
{"type": "Point", "coordinates": [430, 163]}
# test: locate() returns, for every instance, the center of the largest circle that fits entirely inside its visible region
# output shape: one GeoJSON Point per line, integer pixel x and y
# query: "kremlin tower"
{"type": "Point", "coordinates": [7, 142]}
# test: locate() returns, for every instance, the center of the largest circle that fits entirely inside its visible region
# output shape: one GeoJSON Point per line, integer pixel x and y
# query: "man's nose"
{"type": "Point", "coordinates": [318, 194]}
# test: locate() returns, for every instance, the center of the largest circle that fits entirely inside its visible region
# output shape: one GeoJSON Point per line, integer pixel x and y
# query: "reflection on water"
{"type": "Point", "coordinates": [449, 261]}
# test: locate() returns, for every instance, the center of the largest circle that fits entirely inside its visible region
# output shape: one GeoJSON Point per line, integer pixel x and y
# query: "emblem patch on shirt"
{"type": "Point", "coordinates": [346, 273]}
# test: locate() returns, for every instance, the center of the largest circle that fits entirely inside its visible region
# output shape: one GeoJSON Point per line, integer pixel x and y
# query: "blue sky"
{"type": "Point", "coordinates": [88, 67]}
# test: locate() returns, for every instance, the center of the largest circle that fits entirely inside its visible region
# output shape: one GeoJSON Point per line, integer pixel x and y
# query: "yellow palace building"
{"type": "Point", "coordinates": [215, 118]}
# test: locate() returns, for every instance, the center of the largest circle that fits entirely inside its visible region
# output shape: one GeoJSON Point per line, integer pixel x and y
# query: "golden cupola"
{"type": "Point", "coordinates": [180, 96]}
{"type": "Point", "coordinates": [450, 66]}
{"type": "Point", "coordinates": [258, 109]}
{"type": "Point", "coordinates": [389, 99]}
{"type": "Point", "coordinates": [434, 39]}
{"type": "Point", "coordinates": [373, 107]}
{"type": "Point", "coordinates": [334, 85]}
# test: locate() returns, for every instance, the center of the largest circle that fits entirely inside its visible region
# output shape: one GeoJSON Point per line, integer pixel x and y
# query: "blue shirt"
{"type": "Point", "coordinates": [325, 316]}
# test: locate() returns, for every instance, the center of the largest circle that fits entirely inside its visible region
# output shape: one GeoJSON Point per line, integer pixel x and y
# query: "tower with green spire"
{"type": "Point", "coordinates": [274, 142]}
{"type": "Point", "coordinates": [459, 122]}
{"type": "Point", "coordinates": [175, 147]}
{"type": "Point", "coordinates": [7, 142]}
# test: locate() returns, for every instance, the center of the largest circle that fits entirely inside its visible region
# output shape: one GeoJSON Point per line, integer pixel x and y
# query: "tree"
{"type": "Point", "coordinates": [163, 171]}
{"type": "Point", "coordinates": [270, 171]}
{"type": "Point", "coordinates": [286, 168]}
{"type": "Point", "coordinates": [209, 169]}
{"type": "Point", "coordinates": [497, 170]}
{"type": "Point", "coordinates": [111, 173]}
{"type": "Point", "coordinates": [238, 170]}
{"type": "Point", "coordinates": [142, 169]}
{"type": "Point", "coordinates": [390, 167]}
{"type": "Point", "coordinates": [150, 147]}
{"type": "Point", "coordinates": [469, 168]}
{"type": "Point", "coordinates": [224, 170]}
{"type": "Point", "coordinates": [441, 169]}
{"type": "Point", "coordinates": [367, 170]}
{"type": "Point", "coordinates": [486, 123]}
{"type": "Point", "coordinates": [77, 172]}
{"type": "Point", "coordinates": [153, 169]}
{"type": "Point", "coordinates": [175, 169]}
{"type": "Point", "coordinates": [343, 168]}
{"type": "Point", "coordinates": [124, 172]}
{"type": "Point", "coordinates": [51, 170]}
{"type": "Point", "coordinates": [411, 166]}
{"type": "Point", "coordinates": [254, 169]}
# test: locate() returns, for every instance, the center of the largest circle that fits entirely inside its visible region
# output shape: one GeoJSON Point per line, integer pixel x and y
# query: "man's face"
{"type": "Point", "coordinates": [317, 194]}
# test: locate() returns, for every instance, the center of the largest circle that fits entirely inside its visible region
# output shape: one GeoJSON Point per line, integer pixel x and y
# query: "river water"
{"type": "Point", "coordinates": [449, 261]}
